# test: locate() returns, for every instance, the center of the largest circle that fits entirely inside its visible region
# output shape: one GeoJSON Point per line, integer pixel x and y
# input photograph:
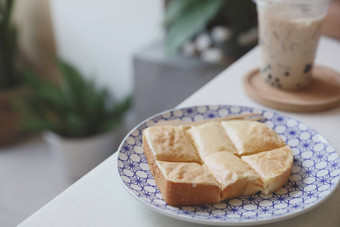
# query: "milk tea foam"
{"type": "Point", "coordinates": [288, 45]}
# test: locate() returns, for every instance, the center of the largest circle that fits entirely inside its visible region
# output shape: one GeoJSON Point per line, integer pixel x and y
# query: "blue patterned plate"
{"type": "Point", "coordinates": [315, 173]}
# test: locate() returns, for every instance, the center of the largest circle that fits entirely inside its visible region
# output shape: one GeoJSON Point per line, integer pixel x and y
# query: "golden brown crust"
{"type": "Point", "coordinates": [179, 193]}
{"type": "Point", "coordinates": [211, 138]}
{"type": "Point", "coordinates": [251, 137]}
{"type": "Point", "coordinates": [171, 143]}
{"type": "Point", "coordinates": [265, 171]}
{"type": "Point", "coordinates": [274, 167]}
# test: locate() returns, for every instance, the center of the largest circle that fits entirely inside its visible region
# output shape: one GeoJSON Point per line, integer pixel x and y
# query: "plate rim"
{"type": "Point", "coordinates": [211, 221]}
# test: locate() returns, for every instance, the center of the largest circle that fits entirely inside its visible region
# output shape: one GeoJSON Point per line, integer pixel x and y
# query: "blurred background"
{"type": "Point", "coordinates": [77, 75]}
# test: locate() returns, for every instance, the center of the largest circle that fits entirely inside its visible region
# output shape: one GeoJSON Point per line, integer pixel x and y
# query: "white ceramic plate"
{"type": "Point", "coordinates": [315, 173]}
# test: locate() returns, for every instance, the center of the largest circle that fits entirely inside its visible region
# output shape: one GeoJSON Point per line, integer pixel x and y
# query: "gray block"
{"type": "Point", "coordinates": [162, 82]}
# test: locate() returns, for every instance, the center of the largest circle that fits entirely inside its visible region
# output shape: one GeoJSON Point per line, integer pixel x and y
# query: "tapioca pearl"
{"type": "Point", "coordinates": [287, 73]}
{"type": "Point", "coordinates": [280, 129]}
{"type": "Point", "coordinates": [269, 76]}
{"type": "Point", "coordinates": [202, 109]}
{"type": "Point", "coordinates": [178, 113]}
{"type": "Point", "coordinates": [291, 123]}
{"type": "Point", "coordinates": [305, 136]}
{"type": "Point", "coordinates": [308, 68]}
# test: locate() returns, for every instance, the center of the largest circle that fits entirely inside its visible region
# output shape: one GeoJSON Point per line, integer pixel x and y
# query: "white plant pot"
{"type": "Point", "coordinates": [79, 156]}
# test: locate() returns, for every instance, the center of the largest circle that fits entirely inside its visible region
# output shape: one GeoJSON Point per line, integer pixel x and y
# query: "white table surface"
{"type": "Point", "coordinates": [99, 199]}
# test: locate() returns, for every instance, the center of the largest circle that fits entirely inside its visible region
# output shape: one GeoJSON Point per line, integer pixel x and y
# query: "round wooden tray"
{"type": "Point", "coordinates": [324, 92]}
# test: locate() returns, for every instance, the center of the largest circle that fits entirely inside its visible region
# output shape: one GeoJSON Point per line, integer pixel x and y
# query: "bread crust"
{"type": "Point", "coordinates": [177, 193]}
{"type": "Point", "coordinates": [183, 192]}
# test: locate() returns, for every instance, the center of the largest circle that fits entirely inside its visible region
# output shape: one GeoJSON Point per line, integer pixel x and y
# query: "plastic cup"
{"type": "Point", "coordinates": [289, 32]}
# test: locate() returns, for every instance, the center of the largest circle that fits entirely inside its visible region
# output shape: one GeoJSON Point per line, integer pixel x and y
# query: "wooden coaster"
{"type": "Point", "coordinates": [323, 93]}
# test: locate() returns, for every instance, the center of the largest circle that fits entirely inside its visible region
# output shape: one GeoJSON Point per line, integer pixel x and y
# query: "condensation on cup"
{"type": "Point", "coordinates": [289, 32]}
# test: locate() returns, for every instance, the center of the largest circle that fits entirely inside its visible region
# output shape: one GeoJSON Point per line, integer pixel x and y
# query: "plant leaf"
{"type": "Point", "coordinates": [174, 9]}
{"type": "Point", "coordinates": [75, 108]}
{"type": "Point", "coordinates": [191, 21]}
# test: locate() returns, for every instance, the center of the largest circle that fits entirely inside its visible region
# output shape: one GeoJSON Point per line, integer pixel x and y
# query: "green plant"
{"type": "Point", "coordinates": [74, 108]}
{"type": "Point", "coordinates": [186, 18]}
{"type": "Point", "coordinates": [9, 75]}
